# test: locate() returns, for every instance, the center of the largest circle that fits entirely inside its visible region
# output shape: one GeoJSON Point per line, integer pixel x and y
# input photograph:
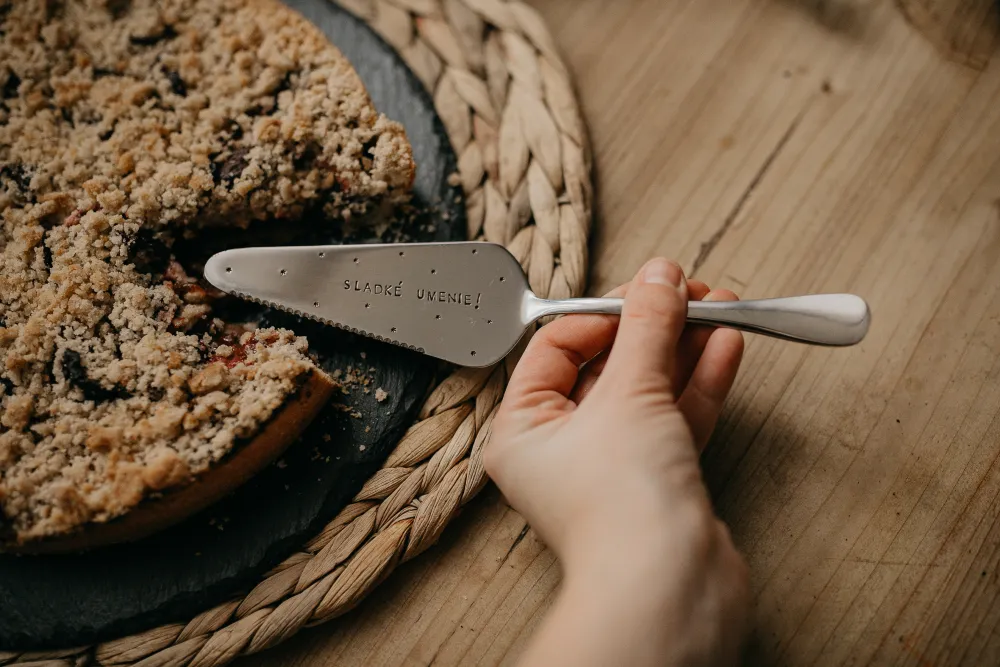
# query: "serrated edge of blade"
{"type": "Point", "coordinates": [327, 321]}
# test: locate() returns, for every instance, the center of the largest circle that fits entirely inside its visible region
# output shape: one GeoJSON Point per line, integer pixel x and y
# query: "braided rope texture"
{"type": "Point", "coordinates": [507, 103]}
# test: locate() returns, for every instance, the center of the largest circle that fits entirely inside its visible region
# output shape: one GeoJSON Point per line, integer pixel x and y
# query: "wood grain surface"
{"type": "Point", "coordinates": [779, 147]}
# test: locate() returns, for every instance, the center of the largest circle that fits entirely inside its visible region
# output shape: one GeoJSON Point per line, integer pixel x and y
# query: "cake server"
{"type": "Point", "coordinates": [470, 303]}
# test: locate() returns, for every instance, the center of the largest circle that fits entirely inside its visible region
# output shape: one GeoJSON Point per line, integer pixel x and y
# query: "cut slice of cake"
{"type": "Point", "coordinates": [125, 126]}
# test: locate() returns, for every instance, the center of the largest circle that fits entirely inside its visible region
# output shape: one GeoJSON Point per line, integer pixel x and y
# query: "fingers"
{"type": "Point", "coordinates": [692, 343]}
{"type": "Point", "coordinates": [695, 337]}
{"type": "Point", "coordinates": [552, 360]}
{"type": "Point", "coordinates": [589, 376]}
{"type": "Point", "coordinates": [697, 290]}
{"type": "Point", "coordinates": [652, 320]}
{"type": "Point", "coordinates": [713, 377]}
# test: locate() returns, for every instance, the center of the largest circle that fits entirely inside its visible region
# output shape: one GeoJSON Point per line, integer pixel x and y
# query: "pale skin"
{"type": "Point", "coordinates": [597, 444]}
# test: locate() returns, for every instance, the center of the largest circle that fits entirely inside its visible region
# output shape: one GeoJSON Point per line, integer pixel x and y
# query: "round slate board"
{"type": "Point", "coordinates": [56, 601]}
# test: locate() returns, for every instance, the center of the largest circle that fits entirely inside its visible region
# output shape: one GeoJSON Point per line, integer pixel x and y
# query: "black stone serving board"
{"type": "Point", "coordinates": [68, 600]}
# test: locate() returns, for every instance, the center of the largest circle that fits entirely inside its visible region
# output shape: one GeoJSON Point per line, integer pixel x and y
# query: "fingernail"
{"type": "Point", "coordinates": [662, 272]}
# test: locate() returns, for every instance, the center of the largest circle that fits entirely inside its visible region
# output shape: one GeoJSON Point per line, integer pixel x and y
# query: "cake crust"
{"type": "Point", "coordinates": [125, 126]}
{"type": "Point", "coordinates": [193, 495]}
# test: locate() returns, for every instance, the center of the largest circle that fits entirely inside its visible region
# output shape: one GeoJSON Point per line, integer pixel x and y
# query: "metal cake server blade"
{"type": "Point", "coordinates": [469, 303]}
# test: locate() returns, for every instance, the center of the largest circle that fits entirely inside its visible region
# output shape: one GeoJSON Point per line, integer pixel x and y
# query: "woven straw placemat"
{"type": "Point", "coordinates": [507, 103]}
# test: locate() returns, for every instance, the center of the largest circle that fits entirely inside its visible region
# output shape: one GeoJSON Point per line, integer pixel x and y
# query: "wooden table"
{"type": "Point", "coordinates": [779, 147]}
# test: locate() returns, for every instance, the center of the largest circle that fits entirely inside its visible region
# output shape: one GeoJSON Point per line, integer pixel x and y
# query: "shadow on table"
{"type": "Point", "coordinates": [848, 18]}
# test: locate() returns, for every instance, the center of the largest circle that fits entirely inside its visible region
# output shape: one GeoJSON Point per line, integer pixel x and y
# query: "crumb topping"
{"type": "Point", "coordinates": [125, 126]}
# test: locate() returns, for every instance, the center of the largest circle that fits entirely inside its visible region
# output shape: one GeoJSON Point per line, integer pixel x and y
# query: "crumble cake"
{"type": "Point", "coordinates": [126, 126]}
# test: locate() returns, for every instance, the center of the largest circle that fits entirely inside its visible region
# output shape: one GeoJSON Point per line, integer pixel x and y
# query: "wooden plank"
{"type": "Point", "coordinates": [779, 147]}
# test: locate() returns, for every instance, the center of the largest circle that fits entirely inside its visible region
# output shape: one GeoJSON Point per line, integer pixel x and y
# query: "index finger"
{"type": "Point", "coordinates": [552, 360]}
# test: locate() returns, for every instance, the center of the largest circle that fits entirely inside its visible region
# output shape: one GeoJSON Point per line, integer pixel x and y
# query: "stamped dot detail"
{"type": "Point", "coordinates": [322, 254]}
{"type": "Point", "coordinates": [283, 272]}
{"type": "Point", "coordinates": [229, 269]}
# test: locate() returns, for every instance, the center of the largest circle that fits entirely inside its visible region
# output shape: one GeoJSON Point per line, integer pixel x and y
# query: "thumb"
{"type": "Point", "coordinates": [652, 320]}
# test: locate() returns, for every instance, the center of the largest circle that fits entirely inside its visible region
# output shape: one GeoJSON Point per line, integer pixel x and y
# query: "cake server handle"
{"type": "Point", "coordinates": [835, 320]}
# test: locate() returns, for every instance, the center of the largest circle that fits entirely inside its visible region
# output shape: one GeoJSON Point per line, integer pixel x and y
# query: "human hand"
{"type": "Point", "coordinates": [597, 444]}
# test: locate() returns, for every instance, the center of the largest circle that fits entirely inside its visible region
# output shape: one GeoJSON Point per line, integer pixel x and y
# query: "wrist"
{"type": "Point", "coordinates": [634, 610]}
{"type": "Point", "coordinates": [620, 547]}
{"type": "Point", "coordinates": [674, 588]}
{"type": "Point", "coordinates": [621, 566]}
